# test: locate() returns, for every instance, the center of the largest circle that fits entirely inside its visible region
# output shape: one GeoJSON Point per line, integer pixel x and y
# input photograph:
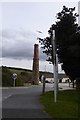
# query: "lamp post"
{"type": "Point", "coordinates": [55, 66]}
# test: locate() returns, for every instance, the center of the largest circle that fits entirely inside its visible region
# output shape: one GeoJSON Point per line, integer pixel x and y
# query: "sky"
{"type": "Point", "coordinates": [18, 31]}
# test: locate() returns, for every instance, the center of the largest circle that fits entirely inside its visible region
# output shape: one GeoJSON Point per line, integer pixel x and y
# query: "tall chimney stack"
{"type": "Point", "coordinates": [35, 77]}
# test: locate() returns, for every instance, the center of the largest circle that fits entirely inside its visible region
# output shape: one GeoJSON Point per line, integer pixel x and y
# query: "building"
{"type": "Point", "coordinates": [50, 77]}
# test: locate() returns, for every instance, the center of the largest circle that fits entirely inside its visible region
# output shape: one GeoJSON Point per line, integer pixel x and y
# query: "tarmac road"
{"type": "Point", "coordinates": [22, 103]}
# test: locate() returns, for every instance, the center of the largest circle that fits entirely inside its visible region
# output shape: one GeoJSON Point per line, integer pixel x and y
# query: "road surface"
{"type": "Point", "coordinates": [22, 103]}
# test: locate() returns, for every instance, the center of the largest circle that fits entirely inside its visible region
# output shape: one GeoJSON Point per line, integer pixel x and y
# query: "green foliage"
{"type": "Point", "coordinates": [27, 76]}
{"type": "Point", "coordinates": [68, 41]}
{"type": "Point", "coordinates": [6, 77]}
{"type": "Point", "coordinates": [19, 82]}
{"type": "Point", "coordinates": [67, 38]}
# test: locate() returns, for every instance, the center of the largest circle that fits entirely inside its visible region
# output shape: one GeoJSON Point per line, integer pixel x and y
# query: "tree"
{"type": "Point", "coordinates": [67, 42]}
{"type": "Point", "coordinates": [6, 77]}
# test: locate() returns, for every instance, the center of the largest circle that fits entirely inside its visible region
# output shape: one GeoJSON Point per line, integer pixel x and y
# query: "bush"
{"type": "Point", "coordinates": [27, 76]}
{"type": "Point", "coordinates": [19, 81]}
{"type": "Point", "coordinates": [6, 77]}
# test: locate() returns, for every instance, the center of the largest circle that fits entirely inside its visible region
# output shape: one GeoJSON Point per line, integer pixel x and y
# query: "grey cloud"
{"type": "Point", "coordinates": [19, 44]}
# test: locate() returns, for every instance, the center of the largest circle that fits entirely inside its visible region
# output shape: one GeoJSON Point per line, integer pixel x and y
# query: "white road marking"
{"type": "Point", "coordinates": [6, 97]}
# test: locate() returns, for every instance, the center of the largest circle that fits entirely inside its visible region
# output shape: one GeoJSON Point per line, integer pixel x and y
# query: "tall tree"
{"type": "Point", "coordinates": [67, 42]}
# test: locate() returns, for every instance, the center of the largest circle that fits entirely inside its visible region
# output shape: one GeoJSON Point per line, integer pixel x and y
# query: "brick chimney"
{"type": "Point", "coordinates": [35, 76]}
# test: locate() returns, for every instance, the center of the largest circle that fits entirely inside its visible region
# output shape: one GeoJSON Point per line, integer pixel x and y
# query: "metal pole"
{"type": "Point", "coordinates": [14, 82]}
{"type": "Point", "coordinates": [55, 65]}
{"type": "Point", "coordinates": [57, 72]}
{"type": "Point", "coordinates": [43, 85]}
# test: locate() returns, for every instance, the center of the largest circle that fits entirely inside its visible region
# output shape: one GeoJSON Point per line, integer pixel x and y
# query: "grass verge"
{"type": "Point", "coordinates": [66, 106]}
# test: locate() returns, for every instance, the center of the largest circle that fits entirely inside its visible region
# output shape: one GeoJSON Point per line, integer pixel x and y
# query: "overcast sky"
{"type": "Point", "coordinates": [20, 23]}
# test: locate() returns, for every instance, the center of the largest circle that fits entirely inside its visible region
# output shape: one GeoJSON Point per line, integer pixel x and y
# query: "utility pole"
{"type": "Point", "coordinates": [55, 66]}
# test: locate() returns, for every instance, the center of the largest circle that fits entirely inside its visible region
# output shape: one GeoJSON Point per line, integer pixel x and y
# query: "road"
{"type": "Point", "coordinates": [22, 103]}
{"type": "Point", "coordinates": [0, 104]}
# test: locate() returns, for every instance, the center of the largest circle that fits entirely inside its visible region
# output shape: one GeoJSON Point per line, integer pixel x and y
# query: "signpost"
{"type": "Point", "coordinates": [14, 76]}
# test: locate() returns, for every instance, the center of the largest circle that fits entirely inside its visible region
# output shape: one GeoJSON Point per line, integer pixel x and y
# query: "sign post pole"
{"type": "Point", "coordinates": [14, 82]}
{"type": "Point", "coordinates": [14, 76]}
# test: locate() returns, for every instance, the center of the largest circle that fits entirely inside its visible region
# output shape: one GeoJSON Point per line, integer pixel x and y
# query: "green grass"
{"type": "Point", "coordinates": [65, 107]}
{"type": "Point", "coordinates": [16, 71]}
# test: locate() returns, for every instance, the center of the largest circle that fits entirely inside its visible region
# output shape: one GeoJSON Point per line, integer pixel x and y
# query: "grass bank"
{"type": "Point", "coordinates": [66, 106]}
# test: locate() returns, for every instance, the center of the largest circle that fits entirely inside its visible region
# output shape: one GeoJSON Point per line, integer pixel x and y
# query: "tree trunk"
{"type": "Point", "coordinates": [73, 83]}
{"type": "Point", "coordinates": [78, 94]}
